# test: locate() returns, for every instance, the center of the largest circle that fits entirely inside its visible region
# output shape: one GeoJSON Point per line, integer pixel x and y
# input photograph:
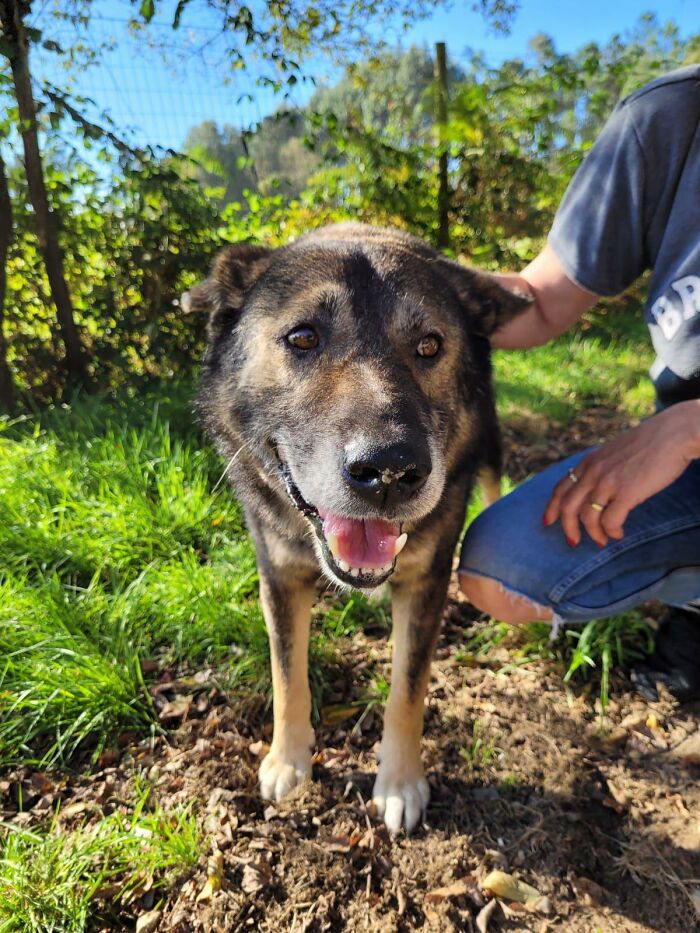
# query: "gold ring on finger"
{"type": "Point", "coordinates": [597, 506]}
{"type": "Point", "coordinates": [573, 477]}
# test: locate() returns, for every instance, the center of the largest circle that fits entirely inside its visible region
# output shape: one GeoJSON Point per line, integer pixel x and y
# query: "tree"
{"type": "Point", "coordinates": [219, 161]}
{"type": "Point", "coordinates": [15, 46]}
{"type": "Point", "coordinates": [7, 395]}
{"type": "Point", "coordinates": [284, 33]}
{"type": "Point", "coordinates": [390, 93]}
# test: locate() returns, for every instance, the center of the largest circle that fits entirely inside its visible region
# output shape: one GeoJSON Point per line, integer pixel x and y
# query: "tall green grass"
{"type": "Point", "coordinates": [606, 364]}
{"type": "Point", "coordinates": [113, 548]}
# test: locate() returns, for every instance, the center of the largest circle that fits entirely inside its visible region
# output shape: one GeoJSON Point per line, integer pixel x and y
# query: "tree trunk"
{"type": "Point", "coordinates": [7, 389]}
{"type": "Point", "coordinates": [12, 14]}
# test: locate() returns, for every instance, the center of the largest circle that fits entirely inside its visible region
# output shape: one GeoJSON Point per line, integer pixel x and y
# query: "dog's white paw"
{"type": "Point", "coordinates": [278, 774]}
{"type": "Point", "coordinates": [400, 796]}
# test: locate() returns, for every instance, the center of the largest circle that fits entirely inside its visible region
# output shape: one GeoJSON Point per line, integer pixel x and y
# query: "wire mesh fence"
{"type": "Point", "coordinates": [154, 85]}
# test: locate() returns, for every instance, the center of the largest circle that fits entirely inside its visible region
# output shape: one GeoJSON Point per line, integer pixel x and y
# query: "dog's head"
{"type": "Point", "coordinates": [350, 365]}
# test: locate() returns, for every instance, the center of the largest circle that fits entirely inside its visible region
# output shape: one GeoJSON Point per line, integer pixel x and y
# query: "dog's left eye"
{"type": "Point", "coordinates": [429, 345]}
{"type": "Point", "coordinates": [303, 338]}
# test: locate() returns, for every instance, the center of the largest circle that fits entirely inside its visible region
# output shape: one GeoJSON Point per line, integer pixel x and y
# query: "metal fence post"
{"type": "Point", "coordinates": [443, 205]}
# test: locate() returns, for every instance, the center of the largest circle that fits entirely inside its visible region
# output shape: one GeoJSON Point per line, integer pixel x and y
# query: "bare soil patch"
{"type": "Point", "coordinates": [605, 825]}
{"type": "Point", "coordinates": [603, 820]}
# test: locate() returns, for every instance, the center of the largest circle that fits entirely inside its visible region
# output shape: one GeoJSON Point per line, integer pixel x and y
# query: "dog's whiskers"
{"type": "Point", "coordinates": [231, 462]}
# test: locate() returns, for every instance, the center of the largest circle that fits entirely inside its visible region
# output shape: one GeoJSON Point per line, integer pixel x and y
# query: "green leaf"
{"type": "Point", "coordinates": [147, 10]}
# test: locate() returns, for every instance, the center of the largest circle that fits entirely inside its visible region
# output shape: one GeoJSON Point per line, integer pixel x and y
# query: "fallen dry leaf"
{"type": "Point", "coordinates": [612, 804]}
{"type": "Point", "coordinates": [343, 843]}
{"type": "Point", "coordinates": [105, 790]}
{"type": "Point", "coordinates": [108, 757]}
{"type": "Point", "coordinates": [688, 751]}
{"type": "Point", "coordinates": [501, 884]}
{"type": "Point", "coordinates": [587, 891]}
{"type": "Point", "coordinates": [148, 922]}
{"type": "Point", "coordinates": [178, 709]}
{"type": "Point", "coordinates": [619, 796]}
{"type": "Point", "coordinates": [484, 916]}
{"type": "Point", "coordinates": [215, 877]}
{"type": "Point", "coordinates": [679, 804]}
{"type": "Point", "coordinates": [543, 906]}
{"type": "Point", "coordinates": [458, 888]}
{"type": "Point", "coordinates": [331, 757]}
{"type": "Point", "coordinates": [73, 809]}
{"type": "Point", "coordinates": [695, 898]}
{"type": "Point", "coordinates": [255, 877]}
{"type": "Point", "coordinates": [335, 714]}
{"type": "Point", "coordinates": [41, 783]}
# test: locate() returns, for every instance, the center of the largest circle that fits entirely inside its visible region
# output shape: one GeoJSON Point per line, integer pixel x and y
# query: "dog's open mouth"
{"type": "Point", "coordinates": [360, 551]}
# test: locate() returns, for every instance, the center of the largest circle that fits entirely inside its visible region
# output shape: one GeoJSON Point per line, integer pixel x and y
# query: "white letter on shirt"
{"type": "Point", "coordinates": [689, 290]}
{"type": "Point", "coordinates": [667, 316]}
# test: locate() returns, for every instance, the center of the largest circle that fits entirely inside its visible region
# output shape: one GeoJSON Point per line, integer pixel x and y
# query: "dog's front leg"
{"type": "Point", "coordinates": [286, 603]}
{"type": "Point", "coordinates": [401, 791]}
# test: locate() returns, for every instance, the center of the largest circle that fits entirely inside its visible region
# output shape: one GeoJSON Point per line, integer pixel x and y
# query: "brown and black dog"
{"type": "Point", "coordinates": [347, 382]}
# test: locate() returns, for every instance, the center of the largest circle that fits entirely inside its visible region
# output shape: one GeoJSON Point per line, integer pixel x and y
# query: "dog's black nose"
{"type": "Point", "coordinates": [387, 475]}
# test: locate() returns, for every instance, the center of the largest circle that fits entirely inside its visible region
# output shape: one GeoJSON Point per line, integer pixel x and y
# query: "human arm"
{"type": "Point", "coordinates": [557, 303]}
{"type": "Point", "coordinates": [596, 245]}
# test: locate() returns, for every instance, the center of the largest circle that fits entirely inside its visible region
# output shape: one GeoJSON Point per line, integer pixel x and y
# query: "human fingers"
{"type": "Point", "coordinates": [563, 487]}
{"type": "Point", "coordinates": [613, 518]}
{"type": "Point", "coordinates": [593, 509]}
{"type": "Point", "coordinates": [573, 503]}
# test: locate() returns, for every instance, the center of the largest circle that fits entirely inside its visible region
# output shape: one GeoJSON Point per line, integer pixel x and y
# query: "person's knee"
{"type": "Point", "coordinates": [492, 597]}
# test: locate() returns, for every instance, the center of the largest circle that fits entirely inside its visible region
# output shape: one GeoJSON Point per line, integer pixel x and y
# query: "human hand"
{"type": "Point", "coordinates": [604, 487]}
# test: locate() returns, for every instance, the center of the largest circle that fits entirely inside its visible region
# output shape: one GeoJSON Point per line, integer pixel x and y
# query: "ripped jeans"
{"type": "Point", "coordinates": [658, 558]}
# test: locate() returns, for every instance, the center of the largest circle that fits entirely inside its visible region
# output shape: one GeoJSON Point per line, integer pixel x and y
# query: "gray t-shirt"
{"type": "Point", "coordinates": [634, 204]}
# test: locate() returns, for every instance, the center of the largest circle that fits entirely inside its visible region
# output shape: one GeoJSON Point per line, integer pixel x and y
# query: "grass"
{"type": "Point", "coordinates": [112, 548]}
{"type": "Point", "coordinates": [52, 881]}
{"type": "Point", "coordinates": [606, 364]}
{"type": "Point", "coordinates": [583, 653]}
{"type": "Point", "coordinates": [117, 545]}
{"type": "Point", "coordinates": [605, 643]}
{"type": "Point", "coordinates": [482, 749]}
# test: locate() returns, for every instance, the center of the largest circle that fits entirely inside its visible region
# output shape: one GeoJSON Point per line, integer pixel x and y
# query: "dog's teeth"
{"type": "Point", "coordinates": [400, 544]}
{"type": "Point", "coordinates": [354, 571]}
{"type": "Point", "coordinates": [332, 542]}
{"type": "Point", "coordinates": [343, 566]}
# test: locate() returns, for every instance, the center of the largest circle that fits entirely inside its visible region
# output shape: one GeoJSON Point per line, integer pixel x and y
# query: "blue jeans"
{"type": "Point", "coordinates": [658, 558]}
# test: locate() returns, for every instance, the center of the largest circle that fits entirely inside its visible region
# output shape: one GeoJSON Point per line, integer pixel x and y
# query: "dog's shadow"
{"type": "Point", "coordinates": [556, 823]}
{"type": "Point", "coordinates": [589, 857]}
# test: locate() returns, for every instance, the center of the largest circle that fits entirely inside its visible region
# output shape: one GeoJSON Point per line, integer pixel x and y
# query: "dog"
{"type": "Point", "coordinates": [347, 384]}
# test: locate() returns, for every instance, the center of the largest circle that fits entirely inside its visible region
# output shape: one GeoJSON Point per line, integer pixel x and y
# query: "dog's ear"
{"type": "Point", "coordinates": [487, 304]}
{"type": "Point", "coordinates": [235, 271]}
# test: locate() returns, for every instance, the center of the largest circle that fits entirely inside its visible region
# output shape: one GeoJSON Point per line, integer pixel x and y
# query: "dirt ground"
{"type": "Point", "coordinates": [604, 824]}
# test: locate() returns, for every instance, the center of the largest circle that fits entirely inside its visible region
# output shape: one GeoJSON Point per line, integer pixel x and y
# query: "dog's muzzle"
{"type": "Point", "coordinates": [360, 552]}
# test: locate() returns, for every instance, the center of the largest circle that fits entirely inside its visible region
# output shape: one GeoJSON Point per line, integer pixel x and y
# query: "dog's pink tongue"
{"type": "Point", "coordinates": [361, 542]}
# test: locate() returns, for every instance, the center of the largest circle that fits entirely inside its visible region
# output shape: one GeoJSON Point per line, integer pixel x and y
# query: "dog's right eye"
{"type": "Point", "coordinates": [302, 338]}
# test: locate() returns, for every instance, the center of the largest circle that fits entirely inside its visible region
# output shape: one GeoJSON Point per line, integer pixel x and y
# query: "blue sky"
{"type": "Point", "coordinates": [160, 101]}
{"type": "Point", "coordinates": [570, 23]}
